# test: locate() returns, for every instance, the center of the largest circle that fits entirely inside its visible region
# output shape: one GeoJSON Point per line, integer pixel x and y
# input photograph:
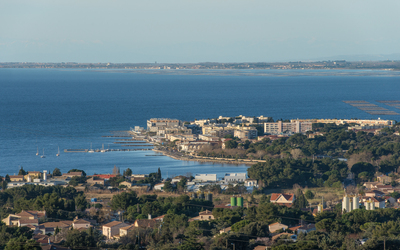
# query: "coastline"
{"type": "Point", "coordinates": [210, 159]}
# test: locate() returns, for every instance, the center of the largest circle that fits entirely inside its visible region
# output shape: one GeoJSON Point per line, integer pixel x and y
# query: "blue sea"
{"type": "Point", "coordinates": [49, 108]}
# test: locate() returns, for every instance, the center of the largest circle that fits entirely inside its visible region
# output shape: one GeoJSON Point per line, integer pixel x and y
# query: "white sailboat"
{"type": "Point", "coordinates": [43, 156]}
{"type": "Point", "coordinates": [91, 150]}
{"type": "Point", "coordinates": [58, 154]}
{"type": "Point", "coordinates": [37, 153]}
{"type": "Point", "coordinates": [102, 149]}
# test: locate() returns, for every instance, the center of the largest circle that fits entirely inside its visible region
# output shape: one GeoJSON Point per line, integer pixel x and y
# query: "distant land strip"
{"type": "Point", "coordinates": [338, 64]}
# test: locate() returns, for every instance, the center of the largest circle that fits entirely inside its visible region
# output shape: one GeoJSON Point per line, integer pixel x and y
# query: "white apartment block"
{"type": "Point", "coordinates": [235, 177]}
{"type": "Point", "coordinates": [344, 121]}
{"type": "Point", "coordinates": [155, 124]}
{"type": "Point", "coordinates": [294, 126]}
{"type": "Point", "coordinates": [206, 177]}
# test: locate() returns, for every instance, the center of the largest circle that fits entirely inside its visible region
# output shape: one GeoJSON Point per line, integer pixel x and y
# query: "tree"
{"type": "Point", "coordinates": [395, 195]}
{"type": "Point", "coordinates": [128, 172]}
{"type": "Point", "coordinates": [80, 202]}
{"type": "Point", "coordinates": [296, 153]}
{"type": "Point", "coordinates": [124, 200]}
{"type": "Point", "coordinates": [75, 180]}
{"type": "Point", "coordinates": [158, 176]}
{"type": "Point", "coordinates": [57, 172]}
{"type": "Point", "coordinates": [115, 170]}
{"type": "Point", "coordinates": [309, 194]}
{"type": "Point", "coordinates": [168, 186]}
{"type": "Point", "coordinates": [22, 171]}
{"type": "Point", "coordinates": [365, 176]}
{"type": "Point", "coordinates": [300, 201]}
{"type": "Point", "coordinates": [230, 144]}
{"type": "Point", "coordinates": [181, 185]}
{"type": "Point", "coordinates": [115, 181]}
{"type": "Point", "coordinates": [82, 239]}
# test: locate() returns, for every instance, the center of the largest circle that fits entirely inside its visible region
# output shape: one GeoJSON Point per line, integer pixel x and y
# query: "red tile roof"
{"type": "Point", "coordinates": [288, 197]}
{"type": "Point", "coordinates": [28, 222]}
{"type": "Point", "coordinates": [112, 224]}
{"type": "Point", "coordinates": [16, 176]}
{"type": "Point", "coordinates": [105, 176]}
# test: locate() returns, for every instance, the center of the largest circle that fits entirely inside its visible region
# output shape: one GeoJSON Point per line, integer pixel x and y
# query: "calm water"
{"type": "Point", "coordinates": [47, 108]}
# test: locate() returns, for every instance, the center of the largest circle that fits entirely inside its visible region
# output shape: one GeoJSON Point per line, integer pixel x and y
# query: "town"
{"type": "Point", "coordinates": [307, 180]}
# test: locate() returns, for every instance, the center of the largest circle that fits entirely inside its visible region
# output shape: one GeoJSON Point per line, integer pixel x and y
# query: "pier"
{"type": "Point", "coordinates": [76, 150]}
{"type": "Point", "coordinates": [106, 150]}
{"type": "Point", "coordinates": [119, 136]}
{"type": "Point", "coordinates": [131, 142]}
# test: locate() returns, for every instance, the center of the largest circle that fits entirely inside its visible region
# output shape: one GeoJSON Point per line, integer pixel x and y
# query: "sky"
{"type": "Point", "coordinates": [186, 31]}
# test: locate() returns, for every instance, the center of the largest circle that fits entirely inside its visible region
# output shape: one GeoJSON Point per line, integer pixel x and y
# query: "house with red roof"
{"type": "Point", "coordinates": [24, 218]}
{"type": "Point", "coordinates": [374, 193]}
{"type": "Point", "coordinates": [104, 176]}
{"type": "Point", "coordinates": [112, 229]}
{"type": "Point", "coordinates": [282, 199]}
{"type": "Point", "coordinates": [160, 218]}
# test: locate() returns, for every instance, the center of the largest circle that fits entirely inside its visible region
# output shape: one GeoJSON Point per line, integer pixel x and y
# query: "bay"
{"type": "Point", "coordinates": [51, 108]}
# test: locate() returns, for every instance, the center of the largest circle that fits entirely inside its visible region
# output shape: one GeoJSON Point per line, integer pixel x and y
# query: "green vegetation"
{"type": "Point", "coordinates": [334, 231]}
{"type": "Point", "coordinates": [284, 173]}
{"type": "Point", "coordinates": [58, 202]}
{"type": "Point", "coordinates": [139, 208]}
{"type": "Point", "coordinates": [57, 172]}
{"type": "Point", "coordinates": [78, 239]}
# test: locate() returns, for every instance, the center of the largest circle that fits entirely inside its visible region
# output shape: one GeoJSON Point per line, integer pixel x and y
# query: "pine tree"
{"type": "Point", "coordinates": [22, 171]}
{"type": "Point", "coordinates": [159, 175]}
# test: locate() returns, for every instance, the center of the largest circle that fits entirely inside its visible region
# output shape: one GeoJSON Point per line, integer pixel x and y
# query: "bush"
{"type": "Point", "coordinates": [309, 194]}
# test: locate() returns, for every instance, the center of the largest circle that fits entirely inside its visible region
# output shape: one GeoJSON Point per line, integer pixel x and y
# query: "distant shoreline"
{"type": "Point", "coordinates": [274, 72]}
{"type": "Point", "coordinates": [387, 65]}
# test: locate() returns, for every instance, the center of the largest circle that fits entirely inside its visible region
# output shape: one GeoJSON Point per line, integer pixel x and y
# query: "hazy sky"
{"type": "Point", "coordinates": [195, 31]}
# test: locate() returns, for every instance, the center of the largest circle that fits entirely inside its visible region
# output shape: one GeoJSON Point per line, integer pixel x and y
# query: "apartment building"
{"type": "Point", "coordinates": [245, 133]}
{"type": "Point", "coordinates": [174, 130]}
{"type": "Point", "coordinates": [155, 124]}
{"type": "Point", "coordinates": [345, 121]}
{"type": "Point", "coordinates": [294, 126]}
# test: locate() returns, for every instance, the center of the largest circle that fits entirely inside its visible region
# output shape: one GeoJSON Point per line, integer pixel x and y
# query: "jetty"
{"type": "Point", "coordinates": [106, 150]}
{"type": "Point", "coordinates": [120, 136]}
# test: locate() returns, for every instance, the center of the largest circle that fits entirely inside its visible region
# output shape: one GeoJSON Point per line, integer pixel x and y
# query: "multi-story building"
{"type": "Point", "coordinates": [346, 121]}
{"type": "Point", "coordinates": [179, 137]}
{"type": "Point", "coordinates": [294, 126]}
{"type": "Point", "coordinates": [245, 133]}
{"type": "Point", "coordinates": [193, 146]}
{"type": "Point", "coordinates": [235, 177]}
{"type": "Point", "coordinates": [206, 177]}
{"type": "Point", "coordinates": [174, 130]}
{"type": "Point", "coordinates": [155, 124]}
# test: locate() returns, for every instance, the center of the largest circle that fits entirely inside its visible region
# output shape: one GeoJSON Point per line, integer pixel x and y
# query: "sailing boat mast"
{"type": "Point", "coordinates": [91, 150]}
{"type": "Point", "coordinates": [58, 154]}
{"type": "Point", "coordinates": [37, 153]}
{"type": "Point", "coordinates": [43, 156]}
